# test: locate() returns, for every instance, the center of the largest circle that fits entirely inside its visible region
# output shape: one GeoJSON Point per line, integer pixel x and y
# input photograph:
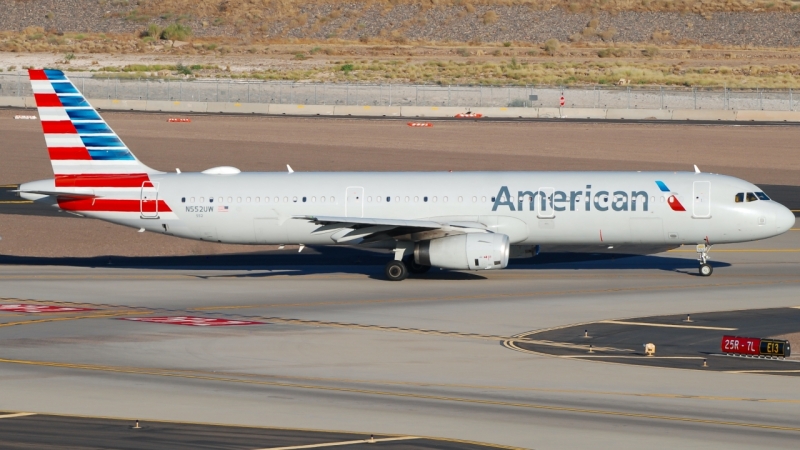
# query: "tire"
{"type": "Point", "coordinates": [706, 270]}
{"type": "Point", "coordinates": [396, 271]}
{"type": "Point", "coordinates": [414, 268]}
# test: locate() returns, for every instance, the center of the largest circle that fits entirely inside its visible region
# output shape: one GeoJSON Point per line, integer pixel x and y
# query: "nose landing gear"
{"type": "Point", "coordinates": [705, 269]}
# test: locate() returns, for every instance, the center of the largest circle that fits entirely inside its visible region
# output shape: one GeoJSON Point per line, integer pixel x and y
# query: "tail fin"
{"type": "Point", "coordinates": [83, 148]}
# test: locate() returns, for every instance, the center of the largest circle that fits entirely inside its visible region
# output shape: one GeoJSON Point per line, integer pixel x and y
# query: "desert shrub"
{"type": "Point", "coordinates": [489, 17]}
{"type": "Point", "coordinates": [608, 34]}
{"type": "Point", "coordinates": [176, 32]}
{"type": "Point", "coordinates": [650, 52]}
{"type": "Point", "coordinates": [551, 46]}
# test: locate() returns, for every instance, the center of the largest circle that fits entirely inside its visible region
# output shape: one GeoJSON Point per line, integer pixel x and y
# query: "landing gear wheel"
{"type": "Point", "coordinates": [415, 268]}
{"type": "Point", "coordinates": [396, 271]}
{"type": "Point", "coordinates": [706, 270]}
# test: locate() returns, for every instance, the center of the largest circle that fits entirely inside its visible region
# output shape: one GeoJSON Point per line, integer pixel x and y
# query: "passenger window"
{"type": "Point", "coordinates": [434, 199]}
{"type": "Point", "coordinates": [494, 199]}
{"type": "Point", "coordinates": [333, 199]}
{"type": "Point", "coordinates": [191, 200]}
{"type": "Point", "coordinates": [444, 199]}
{"type": "Point", "coordinates": [740, 197]}
{"type": "Point", "coordinates": [322, 199]}
{"type": "Point", "coordinates": [425, 199]}
{"type": "Point", "coordinates": [397, 199]}
{"type": "Point", "coordinates": [210, 199]}
{"type": "Point", "coordinates": [762, 196]}
{"type": "Point", "coordinates": [201, 199]}
{"type": "Point", "coordinates": [388, 199]}
{"type": "Point", "coordinates": [378, 199]}
{"type": "Point", "coordinates": [238, 199]}
{"type": "Point", "coordinates": [751, 197]}
{"type": "Point", "coordinates": [294, 199]}
{"type": "Point", "coordinates": [304, 199]}
{"type": "Point", "coordinates": [247, 199]}
{"type": "Point", "coordinates": [230, 200]}
{"type": "Point", "coordinates": [313, 199]}
{"type": "Point", "coordinates": [183, 199]}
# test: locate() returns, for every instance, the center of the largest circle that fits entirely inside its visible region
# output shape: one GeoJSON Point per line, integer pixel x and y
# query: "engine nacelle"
{"type": "Point", "coordinates": [474, 251]}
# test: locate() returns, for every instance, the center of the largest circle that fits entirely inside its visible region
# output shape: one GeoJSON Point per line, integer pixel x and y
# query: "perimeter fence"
{"type": "Point", "coordinates": [275, 92]}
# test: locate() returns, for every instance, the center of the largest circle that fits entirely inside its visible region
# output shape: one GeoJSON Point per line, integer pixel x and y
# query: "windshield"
{"type": "Point", "coordinates": [762, 196]}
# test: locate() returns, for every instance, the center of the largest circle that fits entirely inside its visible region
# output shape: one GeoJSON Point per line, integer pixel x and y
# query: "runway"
{"type": "Point", "coordinates": [104, 323]}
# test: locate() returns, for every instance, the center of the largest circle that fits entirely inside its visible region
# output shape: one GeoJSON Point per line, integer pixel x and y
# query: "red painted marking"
{"type": "Point", "coordinates": [561, 101]}
{"type": "Point", "coordinates": [179, 120]}
{"type": "Point", "coordinates": [69, 153]}
{"type": "Point", "coordinates": [601, 235]}
{"type": "Point", "coordinates": [675, 204]}
{"type": "Point", "coordinates": [59, 127]}
{"type": "Point", "coordinates": [192, 321]}
{"type": "Point", "coordinates": [41, 308]}
{"type": "Point", "coordinates": [740, 345]}
{"type": "Point", "coordinates": [47, 100]}
{"type": "Point", "coordinates": [103, 180]}
{"type": "Point", "coordinates": [109, 205]}
{"type": "Point", "coordinates": [420, 124]}
{"type": "Point", "coordinates": [37, 74]}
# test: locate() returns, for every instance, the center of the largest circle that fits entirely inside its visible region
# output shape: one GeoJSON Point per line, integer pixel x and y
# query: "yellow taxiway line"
{"type": "Point", "coordinates": [337, 444]}
{"type": "Point", "coordinates": [15, 201]}
{"type": "Point", "coordinates": [648, 324]}
{"type": "Point", "coordinates": [9, 416]}
{"type": "Point", "coordinates": [164, 373]}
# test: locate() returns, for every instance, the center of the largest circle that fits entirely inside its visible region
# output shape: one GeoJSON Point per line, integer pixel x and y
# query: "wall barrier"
{"type": "Point", "coordinates": [427, 111]}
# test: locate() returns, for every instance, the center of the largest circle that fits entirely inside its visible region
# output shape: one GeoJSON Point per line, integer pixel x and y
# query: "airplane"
{"type": "Point", "coordinates": [459, 221]}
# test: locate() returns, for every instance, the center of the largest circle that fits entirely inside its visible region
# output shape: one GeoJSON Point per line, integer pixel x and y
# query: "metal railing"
{"type": "Point", "coordinates": [275, 92]}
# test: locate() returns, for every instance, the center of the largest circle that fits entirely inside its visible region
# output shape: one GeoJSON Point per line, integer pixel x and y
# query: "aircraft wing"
{"type": "Point", "coordinates": [373, 229]}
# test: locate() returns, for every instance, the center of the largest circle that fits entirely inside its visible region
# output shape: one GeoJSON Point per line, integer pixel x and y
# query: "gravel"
{"type": "Point", "coordinates": [412, 22]}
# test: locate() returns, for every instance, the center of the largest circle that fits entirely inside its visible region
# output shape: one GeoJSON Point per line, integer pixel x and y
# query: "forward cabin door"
{"type": "Point", "coordinates": [701, 200]}
{"type": "Point", "coordinates": [148, 201]}
{"type": "Point", "coordinates": [354, 203]}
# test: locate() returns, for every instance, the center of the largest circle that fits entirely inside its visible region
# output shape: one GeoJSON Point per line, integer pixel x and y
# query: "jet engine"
{"type": "Point", "coordinates": [474, 251]}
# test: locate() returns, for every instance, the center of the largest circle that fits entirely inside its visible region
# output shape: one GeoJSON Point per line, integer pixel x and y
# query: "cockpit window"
{"type": "Point", "coordinates": [740, 197]}
{"type": "Point", "coordinates": [751, 197]}
{"type": "Point", "coordinates": [762, 196]}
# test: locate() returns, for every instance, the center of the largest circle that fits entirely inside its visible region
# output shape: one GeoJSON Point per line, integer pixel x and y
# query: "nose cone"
{"type": "Point", "coordinates": [784, 219]}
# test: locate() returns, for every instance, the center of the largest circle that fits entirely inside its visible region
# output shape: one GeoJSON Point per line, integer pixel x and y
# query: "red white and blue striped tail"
{"type": "Point", "coordinates": [81, 145]}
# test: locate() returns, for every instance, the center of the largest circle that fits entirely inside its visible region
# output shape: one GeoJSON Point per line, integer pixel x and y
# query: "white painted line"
{"type": "Point", "coordinates": [336, 444]}
{"type": "Point", "coordinates": [632, 357]}
{"type": "Point", "coordinates": [8, 416]}
{"type": "Point", "coordinates": [647, 324]}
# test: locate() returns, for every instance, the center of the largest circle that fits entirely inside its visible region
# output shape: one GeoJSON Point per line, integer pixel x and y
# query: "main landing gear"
{"type": "Point", "coordinates": [399, 270]}
{"type": "Point", "coordinates": [396, 271]}
{"type": "Point", "coordinates": [705, 268]}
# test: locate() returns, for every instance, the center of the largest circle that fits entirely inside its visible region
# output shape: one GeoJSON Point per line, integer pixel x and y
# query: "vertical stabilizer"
{"type": "Point", "coordinates": [83, 149]}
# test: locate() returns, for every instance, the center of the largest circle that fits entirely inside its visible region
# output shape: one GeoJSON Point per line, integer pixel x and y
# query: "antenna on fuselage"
{"type": "Point", "coordinates": [696, 170]}
{"type": "Point", "coordinates": [289, 168]}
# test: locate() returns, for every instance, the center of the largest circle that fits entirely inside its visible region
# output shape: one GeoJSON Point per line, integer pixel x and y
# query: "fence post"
{"type": "Point", "coordinates": [416, 95]}
{"type": "Point", "coordinates": [390, 94]}
{"type": "Point", "coordinates": [761, 99]}
{"type": "Point", "coordinates": [661, 89]}
{"type": "Point", "coordinates": [217, 95]}
{"type": "Point", "coordinates": [168, 93]}
{"type": "Point", "coordinates": [791, 102]}
{"type": "Point", "coordinates": [315, 94]}
{"type": "Point", "coordinates": [694, 93]}
{"type": "Point", "coordinates": [629, 97]}
{"type": "Point", "coordinates": [248, 92]}
{"type": "Point", "coordinates": [291, 94]}
{"type": "Point", "coordinates": [347, 94]}
{"type": "Point", "coordinates": [116, 83]}
{"type": "Point", "coordinates": [448, 95]}
{"type": "Point", "coordinates": [147, 89]}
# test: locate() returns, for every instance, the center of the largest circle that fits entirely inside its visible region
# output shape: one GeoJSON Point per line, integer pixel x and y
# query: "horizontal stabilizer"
{"type": "Point", "coordinates": [60, 194]}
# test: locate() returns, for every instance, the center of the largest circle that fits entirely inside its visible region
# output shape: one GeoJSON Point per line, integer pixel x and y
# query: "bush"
{"type": "Point", "coordinates": [489, 18]}
{"type": "Point", "coordinates": [650, 52]}
{"type": "Point", "coordinates": [347, 68]}
{"type": "Point", "coordinates": [551, 46]}
{"type": "Point", "coordinates": [176, 32]}
{"type": "Point", "coordinates": [183, 70]}
{"type": "Point", "coordinates": [152, 31]}
{"type": "Point", "coordinates": [506, 44]}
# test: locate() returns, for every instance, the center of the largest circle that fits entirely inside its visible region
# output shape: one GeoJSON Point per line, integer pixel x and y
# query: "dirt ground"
{"type": "Point", "coordinates": [766, 155]}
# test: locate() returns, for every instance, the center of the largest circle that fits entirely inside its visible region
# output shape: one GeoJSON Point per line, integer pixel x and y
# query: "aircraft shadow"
{"type": "Point", "coordinates": [329, 260]}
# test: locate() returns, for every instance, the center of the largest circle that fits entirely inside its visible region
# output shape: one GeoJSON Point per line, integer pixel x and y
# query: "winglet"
{"type": "Point", "coordinates": [696, 170]}
{"type": "Point", "coordinates": [289, 168]}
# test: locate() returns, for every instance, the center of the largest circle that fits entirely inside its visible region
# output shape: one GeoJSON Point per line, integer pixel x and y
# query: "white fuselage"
{"type": "Point", "coordinates": [581, 208]}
